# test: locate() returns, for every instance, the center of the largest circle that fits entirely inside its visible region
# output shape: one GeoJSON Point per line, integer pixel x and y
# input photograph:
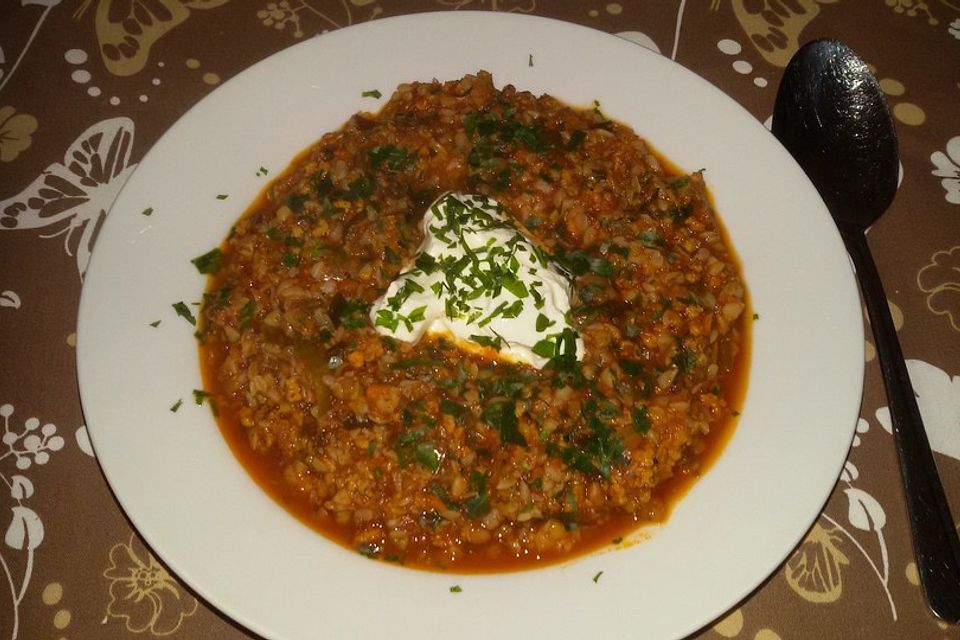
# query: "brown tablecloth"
{"type": "Point", "coordinates": [78, 77]}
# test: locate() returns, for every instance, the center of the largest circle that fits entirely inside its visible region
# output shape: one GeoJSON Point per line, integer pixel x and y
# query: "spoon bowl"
{"type": "Point", "coordinates": [831, 115]}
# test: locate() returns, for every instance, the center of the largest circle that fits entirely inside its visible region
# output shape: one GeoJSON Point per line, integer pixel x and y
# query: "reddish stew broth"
{"type": "Point", "coordinates": [266, 470]}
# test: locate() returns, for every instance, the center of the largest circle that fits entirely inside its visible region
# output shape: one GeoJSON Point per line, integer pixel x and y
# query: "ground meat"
{"type": "Point", "coordinates": [426, 454]}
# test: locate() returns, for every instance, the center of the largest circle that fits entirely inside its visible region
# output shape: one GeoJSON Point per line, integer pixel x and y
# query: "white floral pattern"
{"type": "Point", "coordinates": [948, 167]}
{"type": "Point", "coordinates": [9, 299]}
{"type": "Point", "coordinates": [938, 397]}
{"type": "Point", "coordinates": [954, 29]}
{"type": "Point", "coordinates": [28, 446]}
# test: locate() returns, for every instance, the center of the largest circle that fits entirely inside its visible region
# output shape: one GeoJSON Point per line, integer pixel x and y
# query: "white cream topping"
{"type": "Point", "coordinates": [477, 278]}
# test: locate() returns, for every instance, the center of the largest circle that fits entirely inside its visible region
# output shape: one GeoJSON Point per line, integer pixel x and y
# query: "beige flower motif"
{"type": "Point", "coordinates": [143, 593]}
{"type": "Point", "coordinates": [940, 279]}
{"type": "Point", "coordinates": [814, 571]}
{"type": "Point", "coordinates": [15, 133]}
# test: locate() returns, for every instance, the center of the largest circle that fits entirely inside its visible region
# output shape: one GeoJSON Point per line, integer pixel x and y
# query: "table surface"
{"type": "Point", "coordinates": [76, 75]}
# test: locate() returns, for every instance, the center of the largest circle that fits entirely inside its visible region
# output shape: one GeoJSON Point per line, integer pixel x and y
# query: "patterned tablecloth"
{"type": "Point", "coordinates": [87, 86]}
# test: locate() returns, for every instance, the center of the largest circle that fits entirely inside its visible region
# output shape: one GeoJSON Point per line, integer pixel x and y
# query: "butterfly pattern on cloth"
{"type": "Point", "coordinates": [127, 29]}
{"type": "Point", "coordinates": [72, 198]}
{"type": "Point", "coordinates": [774, 27]}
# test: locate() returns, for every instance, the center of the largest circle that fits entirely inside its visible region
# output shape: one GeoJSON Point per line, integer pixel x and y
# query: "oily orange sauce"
{"type": "Point", "coordinates": [267, 469]}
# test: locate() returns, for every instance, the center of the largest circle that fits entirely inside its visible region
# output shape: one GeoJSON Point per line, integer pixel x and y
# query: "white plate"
{"type": "Point", "coordinates": [200, 512]}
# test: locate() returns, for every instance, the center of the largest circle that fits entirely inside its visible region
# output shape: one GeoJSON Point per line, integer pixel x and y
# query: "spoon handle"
{"type": "Point", "coordinates": [935, 541]}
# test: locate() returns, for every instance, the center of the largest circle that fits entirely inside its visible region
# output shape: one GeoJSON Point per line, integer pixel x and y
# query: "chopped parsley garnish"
{"type": "Point", "coordinates": [427, 456]}
{"type": "Point", "coordinates": [564, 361]}
{"type": "Point", "coordinates": [641, 421]}
{"type": "Point", "coordinates": [576, 139]}
{"type": "Point", "coordinates": [209, 262]}
{"type": "Point", "coordinates": [199, 397]}
{"type": "Point", "coordinates": [296, 201]}
{"type": "Point", "coordinates": [350, 313]}
{"type": "Point", "coordinates": [184, 312]}
{"type": "Point", "coordinates": [756, 316]}
{"type": "Point", "coordinates": [456, 589]}
{"type": "Point", "coordinates": [262, 172]}
{"type": "Point", "coordinates": [502, 416]}
{"type": "Point", "coordinates": [148, 211]}
{"type": "Point", "coordinates": [595, 450]}
{"type": "Point", "coordinates": [392, 158]}
{"type": "Point", "coordinates": [680, 182]}
{"type": "Point", "coordinates": [176, 406]}
{"type": "Point", "coordinates": [545, 348]}
{"type": "Point", "coordinates": [486, 341]}
{"type": "Point", "coordinates": [359, 187]}
{"type": "Point", "coordinates": [596, 578]}
{"type": "Point", "coordinates": [452, 408]}
{"type": "Point", "coordinates": [409, 363]}
{"type": "Point", "coordinates": [222, 196]}
{"type": "Point", "coordinates": [685, 359]}
{"type": "Point", "coordinates": [579, 262]}
{"type": "Point", "coordinates": [544, 323]}
{"type": "Point", "coordinates": [681, 212]}
{"type": "Point", "coordinates": [155, 324]}
{"type": "Point", "coordinates": [372, 93]}
{"type": "Point", "coordinates": [530, 60]}
{"type": "Point", "coordinates": [479, 504]}
{"type": "Point", "coordinates": [247, 313]}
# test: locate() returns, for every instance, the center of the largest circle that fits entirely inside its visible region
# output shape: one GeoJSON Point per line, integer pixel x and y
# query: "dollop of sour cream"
{"type": "Point", "coordinates": [478, 279]}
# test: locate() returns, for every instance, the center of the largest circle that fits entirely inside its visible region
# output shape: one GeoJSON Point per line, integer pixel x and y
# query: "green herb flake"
{"type": "Point", "coordinates": [427, 456]}
{"type": "Point", "coordinates": [502, 415]}
{"type": "Point", "coordinates": [544, 323]}
{"type": "Point", "coordinates": [296, 201]}
{"type": "Point", "coordinates": [222, 196]}
{"type": "Point", "coordinates": [479, 504]}
{"type": "Point", "coordinates": [247, 313]}
{"type": "Point", "coordinates": [452, 408]}
{"type": "Point", "coordinates": [576, 139]}
{"type": "Point", "coordinates": [392, 158]}
{"type": "Point", "coordinates": [155, 324]}
{"type": "Point", "coordinates": [456, 589]}
{"type": "Point", "coordinates": [756, 316]}
{"type": "Point", "coordinates": [530, 60]}
{"type": "Point", "coordinates": [262, 172]}
{"type": "Point", "coordinates": [372, 93]}
{"type": "Point", "coordinates": [199, 396]}
{"type": "Point", "coordinates": [596, 578]}
{"type": "Point", "coordinates": [641, 421]}
{"type": "Point", "coordinates": [148, 211]}
{"type": "Point", "coordinates": [184, 312]}
{"type": "Point", "coordinates": [545, 348]}
{"type": "Point", "coordinates": [685, 360]}
{"type": "Point", "coordinates": [486, 341]}
{"type": "Point", "coordinates": [289, 259]}
{"type": "Point", "coordinates": [680, 182]}
{"type": "Point", "coordinates": [617, 540]}
{"type": "Point", "coordinates": [209, 262]}
{"type": "Point", "coordinates": [176, 406]}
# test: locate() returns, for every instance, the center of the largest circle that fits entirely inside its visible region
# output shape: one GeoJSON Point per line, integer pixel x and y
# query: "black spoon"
{"type": "Point", "coordinates": [832, 117]}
